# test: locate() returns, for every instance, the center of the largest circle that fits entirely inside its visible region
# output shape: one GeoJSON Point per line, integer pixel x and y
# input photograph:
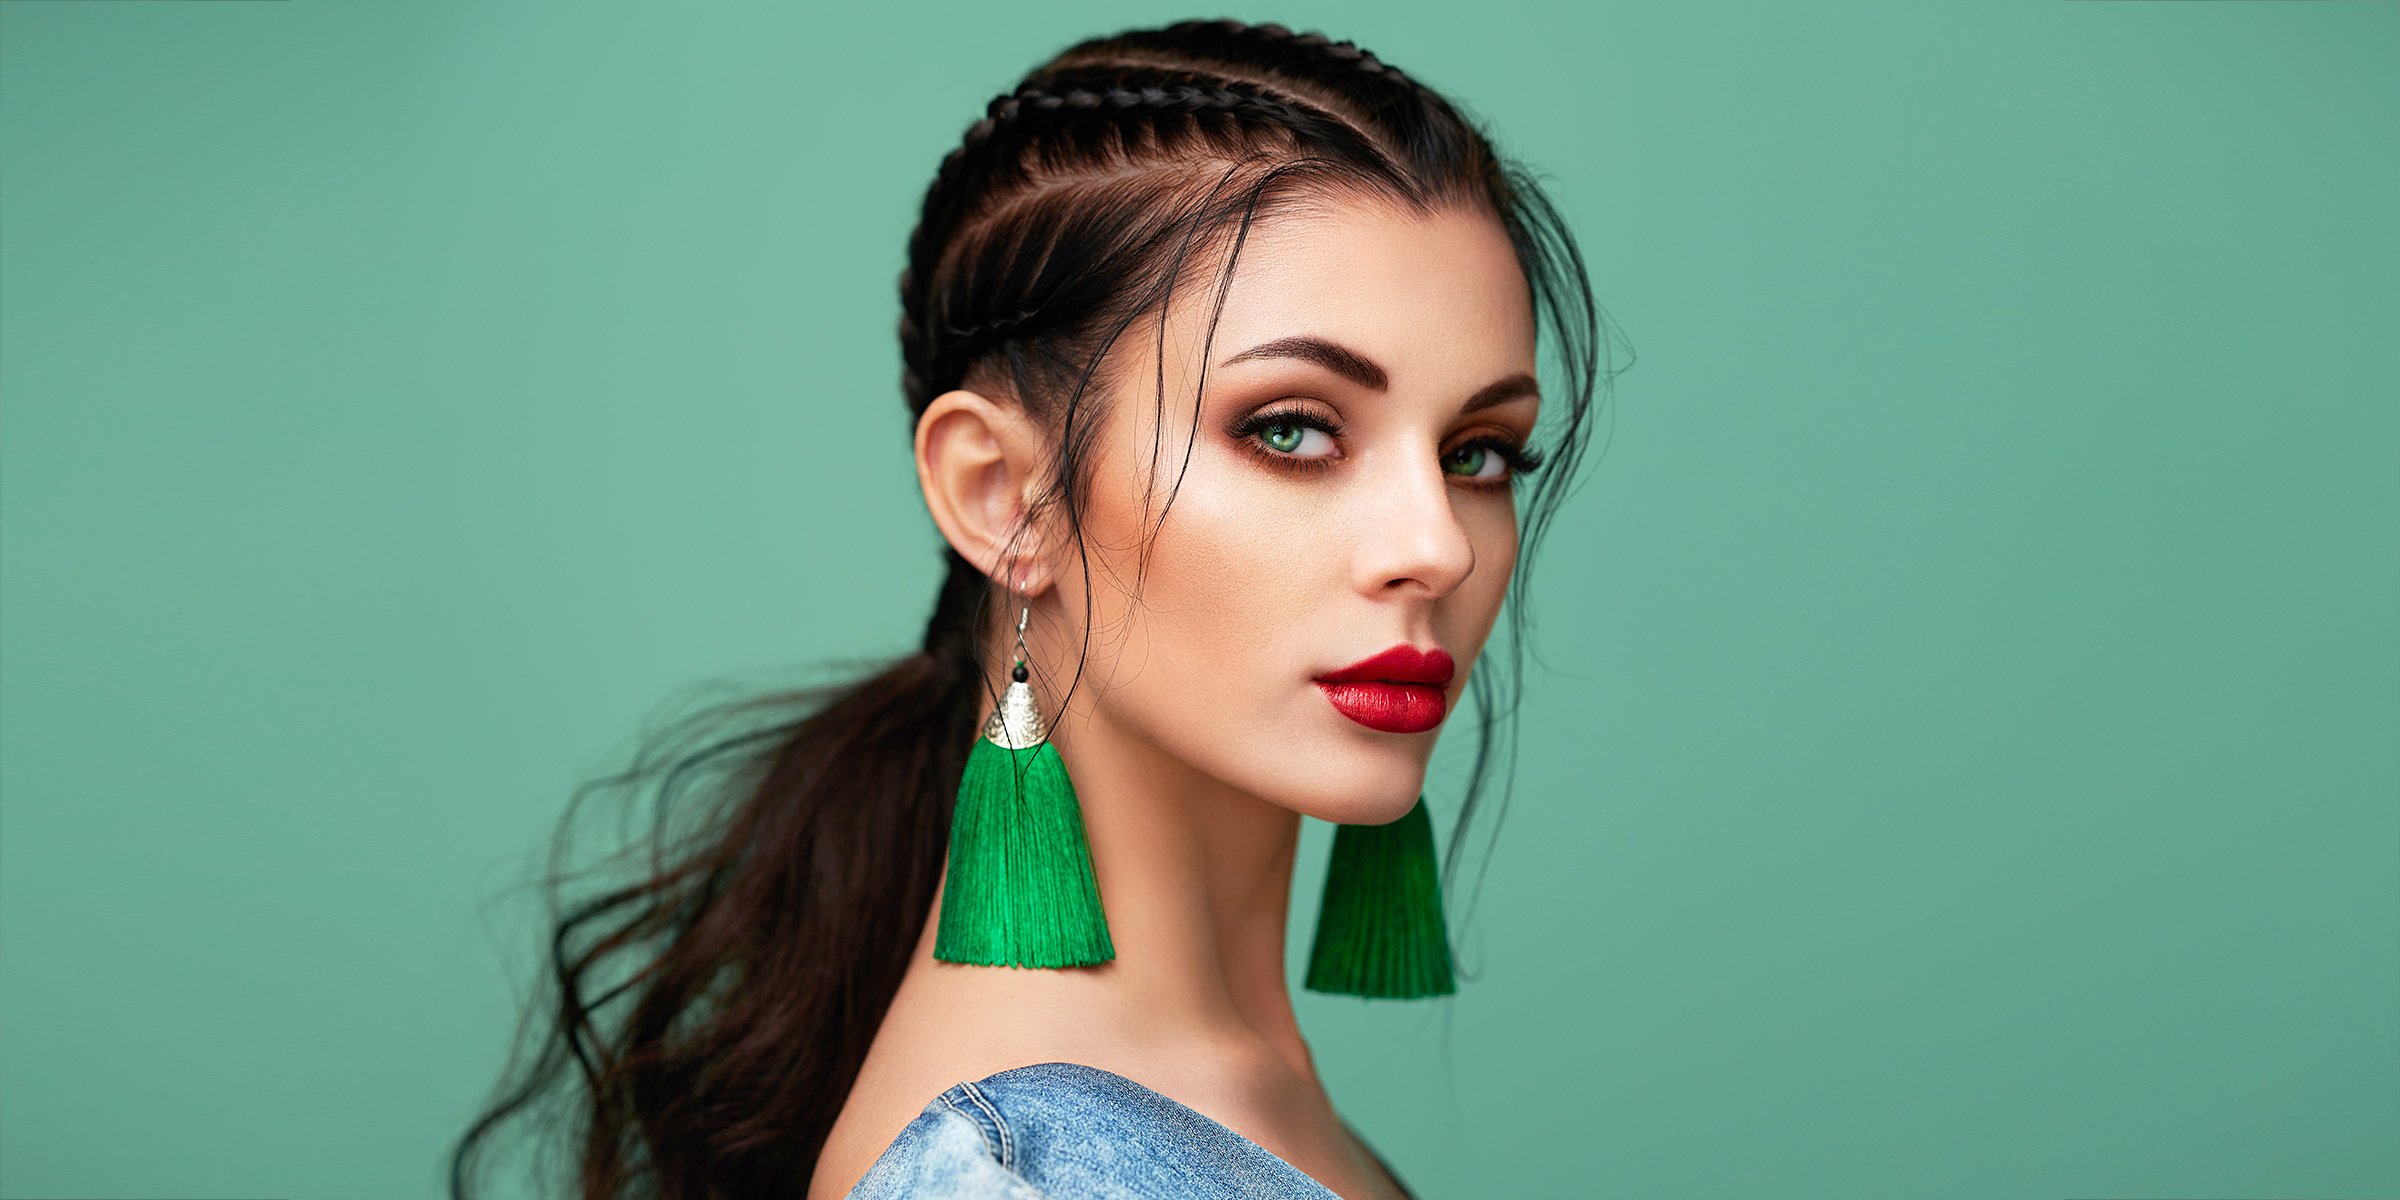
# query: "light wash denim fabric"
{"type": "Point", "coordinates": [1066, 1131]}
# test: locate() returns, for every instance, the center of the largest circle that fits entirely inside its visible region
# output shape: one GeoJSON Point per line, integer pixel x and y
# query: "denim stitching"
{"type": "Point", "coordinates": [981, 1134]}
{"type": "Point", "coordinates": [1008, 1148]}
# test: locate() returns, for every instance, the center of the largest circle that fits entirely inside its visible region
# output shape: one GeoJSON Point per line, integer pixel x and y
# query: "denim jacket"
{"type": "Point", "coordinates": [1061, 1129]}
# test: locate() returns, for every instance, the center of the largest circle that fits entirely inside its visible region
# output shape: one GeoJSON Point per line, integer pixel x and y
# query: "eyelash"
{"type": "Point", "coordinates": [1521, 460]}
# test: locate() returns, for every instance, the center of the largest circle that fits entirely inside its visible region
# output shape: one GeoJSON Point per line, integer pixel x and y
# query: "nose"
{"type": "Point", "coordinates": [1413, 541]}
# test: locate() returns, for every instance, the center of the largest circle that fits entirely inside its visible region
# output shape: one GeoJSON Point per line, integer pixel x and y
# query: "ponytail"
{"type": "Point", "coordinates": [718, 1008]}
{"type": "Point", "coordinates": [756, 960]}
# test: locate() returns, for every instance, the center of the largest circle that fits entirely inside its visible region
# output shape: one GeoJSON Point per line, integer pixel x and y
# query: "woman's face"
{"type": "Point", "coordinates": [1347, 492]}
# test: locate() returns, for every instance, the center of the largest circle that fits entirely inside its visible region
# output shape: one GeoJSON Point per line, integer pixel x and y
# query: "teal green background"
{"type": "Point", "coordinates": [1967, 762]}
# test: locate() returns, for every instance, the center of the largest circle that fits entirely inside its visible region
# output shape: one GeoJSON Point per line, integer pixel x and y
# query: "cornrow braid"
{"type": "Point", "coordinates": [1072, 209]}
{"type": "Point", "coordinates": [1098, 97]}
{"type": "Point", "coordinates": [1299, 53]}
{"type": "Point", "coordinates": [1415, 122]}
{"type": "Point", "coordinates": [995, 326]}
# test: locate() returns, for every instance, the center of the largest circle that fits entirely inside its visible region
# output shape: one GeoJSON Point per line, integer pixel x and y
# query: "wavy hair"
{"type": "Point", "coordinates": [701, 1021]}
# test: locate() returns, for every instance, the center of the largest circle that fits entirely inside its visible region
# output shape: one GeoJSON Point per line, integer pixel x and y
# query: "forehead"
{"type": "Point", "coordinates": [1437, 299]}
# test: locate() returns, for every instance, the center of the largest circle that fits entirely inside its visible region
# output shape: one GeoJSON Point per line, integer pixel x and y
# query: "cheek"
{"type": "Point", "coordinates": [1496, 539]}
{"type": "Point", "coordinates": [1226, 631]}
{"type": "Point", "coordinates": [1246, 594]}
{"type": "Point", "coordinates": [1476, 607]}
{"type": "Point", "coordinates": [1234, 572]}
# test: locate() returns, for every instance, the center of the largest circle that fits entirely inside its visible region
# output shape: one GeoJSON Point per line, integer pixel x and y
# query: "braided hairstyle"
{"type": "Point", "coordinates": [718, 1007]}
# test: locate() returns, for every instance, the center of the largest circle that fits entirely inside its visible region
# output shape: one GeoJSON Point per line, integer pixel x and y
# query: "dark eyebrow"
{"type": "Point", "coordinates": [1361, 370]}
{"type": "Point", "coordinates": [1502, 392]}
{"type": "Point", "coordinates": [1339, 359]}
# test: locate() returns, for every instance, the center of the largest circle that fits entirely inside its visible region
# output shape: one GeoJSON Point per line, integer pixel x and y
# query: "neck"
{"type": "Point", "coordinates": [1197, 881]}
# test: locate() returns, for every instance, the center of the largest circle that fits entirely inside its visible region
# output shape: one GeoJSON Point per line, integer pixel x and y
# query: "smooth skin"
{"type": "Point", "coordinates": [1195, 737]}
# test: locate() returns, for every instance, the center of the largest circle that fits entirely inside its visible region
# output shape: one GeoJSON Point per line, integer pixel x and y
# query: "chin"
{"type": "Point", "coordinates": [1372, 798]}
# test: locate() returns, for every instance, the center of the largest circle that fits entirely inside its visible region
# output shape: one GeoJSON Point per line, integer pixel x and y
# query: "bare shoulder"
{"type": "Point", "coordinates": [887, 1096]}
{"type": "Point", "coordinates": [927, 1045]}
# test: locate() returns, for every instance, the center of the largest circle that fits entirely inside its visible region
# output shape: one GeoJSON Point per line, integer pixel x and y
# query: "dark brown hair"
{"type": "Point", "coordinates": [715, 1005]}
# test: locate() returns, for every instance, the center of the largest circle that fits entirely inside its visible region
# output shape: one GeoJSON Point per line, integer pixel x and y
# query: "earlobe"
{"type": "Point", "coordinates": [975, 459]}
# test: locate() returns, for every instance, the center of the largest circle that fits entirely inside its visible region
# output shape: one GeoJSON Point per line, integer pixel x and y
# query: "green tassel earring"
{"type": "Point", "coordinates": [1380, 931]}
{"type": "Point", "coordinates": [1020, 890]}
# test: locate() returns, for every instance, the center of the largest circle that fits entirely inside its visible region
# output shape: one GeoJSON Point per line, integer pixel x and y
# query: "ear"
{"type": "Point", "coordinates": [977, 461]}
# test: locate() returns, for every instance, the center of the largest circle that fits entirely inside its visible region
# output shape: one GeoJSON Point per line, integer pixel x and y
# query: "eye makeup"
{"type": "Point", "coordinates": [1246, 432]}
{"type": "Point", "coordinates": [1520, 459]}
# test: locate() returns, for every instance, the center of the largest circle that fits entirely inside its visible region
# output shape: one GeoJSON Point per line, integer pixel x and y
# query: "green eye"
{"type": "Point", "coordinates": [1471, 457]}
{"type": "Point", "coordinates": [1281, 437]}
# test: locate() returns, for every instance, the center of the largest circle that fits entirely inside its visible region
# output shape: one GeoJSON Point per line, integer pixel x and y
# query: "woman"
{"type": "Point", "coordinates": [909, 959]}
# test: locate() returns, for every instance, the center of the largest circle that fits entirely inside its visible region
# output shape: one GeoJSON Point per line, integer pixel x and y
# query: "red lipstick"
{"type": "Point", "coordinates": [1402, 690]}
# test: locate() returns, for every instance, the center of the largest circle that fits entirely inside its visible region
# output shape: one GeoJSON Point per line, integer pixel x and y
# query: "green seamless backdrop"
{"type": "Point", "coordinates": [1963, 760]}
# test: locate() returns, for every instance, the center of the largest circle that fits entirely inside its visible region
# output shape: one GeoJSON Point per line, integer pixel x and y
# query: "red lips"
{"type": "Point", "coordinates": [1402, 690]}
